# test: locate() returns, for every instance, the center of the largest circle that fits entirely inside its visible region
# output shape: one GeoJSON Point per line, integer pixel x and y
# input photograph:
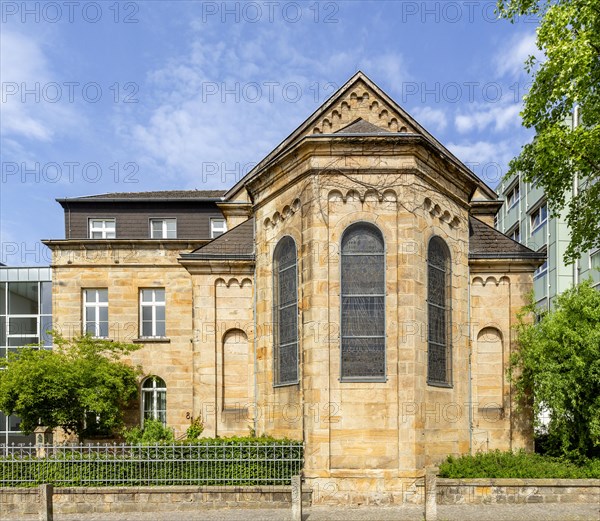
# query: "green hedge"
{"type": "Point", "coordinates": [520, 464]}
{"type": "Point", "coordinates": [221, 461]}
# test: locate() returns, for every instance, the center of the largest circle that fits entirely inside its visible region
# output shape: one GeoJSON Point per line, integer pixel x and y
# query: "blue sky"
{"type": "Point", "coordinates": [154, 95]}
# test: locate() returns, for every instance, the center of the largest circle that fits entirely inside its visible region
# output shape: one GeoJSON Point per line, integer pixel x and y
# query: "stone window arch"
{"type": "Point", "coordinates": [439, 317]}
{"type": "Point", "coordinates": [285, 312]}
{"type": "Point", "coordinates": [362, 288]}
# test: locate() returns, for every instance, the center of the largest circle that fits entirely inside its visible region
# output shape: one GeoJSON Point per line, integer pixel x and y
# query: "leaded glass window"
{"type": "Point", "coordinates": [285, 313]}
{"type": "Point", "coordinates": [363, 303]}
{"type": "Point", "coordinates": [439, 359]}
{"type": "Point", "coordinates": [154, 399]}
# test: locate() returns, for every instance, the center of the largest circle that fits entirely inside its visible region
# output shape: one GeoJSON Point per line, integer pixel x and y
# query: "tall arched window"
{"type": "Point", "coordinates": [439, 359]}
{"type": "Point", "coordinates": [363, 303]}
{"type": "Point", "coordinates": [154, 399]}
{"type": "Point", "coordinates": [285, 313]}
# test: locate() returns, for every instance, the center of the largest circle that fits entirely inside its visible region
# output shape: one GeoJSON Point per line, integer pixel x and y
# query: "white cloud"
{"type": "Point", "coordinates": [499, 116]}
{"type": "Point", "coordinates": [24, 67]}
{"type": "Point", "coordinates": [510, 60]}
{"type": "Point", "coordinates": [428, 117]}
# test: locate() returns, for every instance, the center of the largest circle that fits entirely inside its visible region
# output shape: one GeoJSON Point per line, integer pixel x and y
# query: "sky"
{"type": "Point", "coordinates": [111, 96]}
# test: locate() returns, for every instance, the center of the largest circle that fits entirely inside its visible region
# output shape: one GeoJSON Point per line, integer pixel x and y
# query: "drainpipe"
{"type": "Point", "coordinates": [255, 333]}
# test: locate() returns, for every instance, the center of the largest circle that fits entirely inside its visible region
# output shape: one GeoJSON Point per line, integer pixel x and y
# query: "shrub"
{"type": "Point", "coordinates": [195, 429]}
{"type": "Point", "coordinates": [153, 432]}
{"type": "Point", "coordinates": [497, 464]}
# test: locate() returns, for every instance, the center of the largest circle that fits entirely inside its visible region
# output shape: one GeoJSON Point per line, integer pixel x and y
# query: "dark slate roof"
{"type": "Point", "coordinates": [237, 243]}
{"type": "Point", "coordinates": [162, 195]}
{"type": "Point", "coordinates": [360, 126]}
{"type": "Point", "coordinates": [486, 242]}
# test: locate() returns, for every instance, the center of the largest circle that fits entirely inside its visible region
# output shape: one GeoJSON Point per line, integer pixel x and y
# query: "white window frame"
{"type": "Point", "coordinates": [153, 304]}
{"type": "Point", "coordinates": [152, 393]}
{"type": "Point", "coordinates": [515, 229]}
{"type": "Point", "coordinates": [593, 253]}
{"type": "Point", "coordinates": [106, 232]}
{"type": "Point", "coordinates": [220, 230]}
{"type": "Point", "coordinates": [513, 196]}
{"type": "Point", "coordinates": [95, 304]}
{"type": "Point", "coordinates": [538, 212]}
{"type": "Point", "coordinates": [164, 228]}
{"type": "Point", "coordinates": [541, 270]}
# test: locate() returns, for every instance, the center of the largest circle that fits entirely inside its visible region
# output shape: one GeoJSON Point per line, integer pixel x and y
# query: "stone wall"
{"type": "Point", "coordinates": [80, 500]}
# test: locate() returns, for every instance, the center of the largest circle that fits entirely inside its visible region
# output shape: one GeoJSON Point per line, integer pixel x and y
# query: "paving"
{"type": "Point", "coordinates": [537, 512]}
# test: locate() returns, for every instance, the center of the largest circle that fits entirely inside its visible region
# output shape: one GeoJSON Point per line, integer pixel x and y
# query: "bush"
{"type": "Point", "coordinates": [497, 464]}
{"type": "Point", "coordinates": [153, 432]}
{"type": "Point", "coordinates": [195, 429]}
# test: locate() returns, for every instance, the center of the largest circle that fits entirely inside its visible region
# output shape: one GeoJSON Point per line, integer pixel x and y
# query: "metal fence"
{"type": "Point", "coordinates": [232, 463]}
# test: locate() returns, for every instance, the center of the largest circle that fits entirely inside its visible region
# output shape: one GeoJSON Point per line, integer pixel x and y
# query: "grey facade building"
{"type": "Point", "coordinates": [526, 218]}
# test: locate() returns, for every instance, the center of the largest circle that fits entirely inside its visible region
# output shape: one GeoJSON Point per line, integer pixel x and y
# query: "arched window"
{"type": "Point", "coordinates": [439, 360]}
{"type": "Point", "coordinates": [285, 313]}
{"type": "Point", "coordinates": [154, 399]}
{"type": "Point", "coordinates": [363, 303]}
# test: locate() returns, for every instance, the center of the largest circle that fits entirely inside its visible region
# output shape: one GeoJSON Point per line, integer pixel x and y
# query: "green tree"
{"type": "Point", "coordinates": [81, 385]}
{"type": "Point", "coordinates": [567, 77]}
{"type": "Point", "coordinates": [558, 364]}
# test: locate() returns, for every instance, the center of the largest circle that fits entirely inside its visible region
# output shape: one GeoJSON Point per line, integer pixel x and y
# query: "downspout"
{"type": "Point", "coordinates": [254, 320]}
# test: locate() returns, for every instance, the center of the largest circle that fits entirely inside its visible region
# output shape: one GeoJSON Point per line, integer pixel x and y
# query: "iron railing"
{"type": "Point", "coordinates": [231, 463]}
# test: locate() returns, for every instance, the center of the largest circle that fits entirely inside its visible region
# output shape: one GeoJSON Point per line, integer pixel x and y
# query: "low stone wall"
{"type": "Point", "coordinates": [81, 500]}
{"type": "Point", "coordinates": [506, 491]}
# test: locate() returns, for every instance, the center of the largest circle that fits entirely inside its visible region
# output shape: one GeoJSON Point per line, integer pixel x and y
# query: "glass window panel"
{"type": "Point", "coordinates": [159, 295]}
{"type": "Point", "coordinates": [103, 311]}
{"type": "Point", "coordinates": [22, 325]}
{"type": "Point", "coordinates": [287, 286]}
{"type": "Point", "coordinates": [22, 298]}
{"type": "Point", "coordinates": [160, 329]}
{"type": "Point", "coordinates": [90, 314]}
{"type": "Point", "coordinates": [161, 400]}
{"type": "Point", "coordinates": [96, 235]}
{"type": "Point", "coordinates": [160, 313]}
{"type": "Point", "coordinates": [46, 298]}
{"type": "Point", "coordinates": [363, 357]}
{"type": "Point", "coordinates": [45, 326]}
{"type": "Point", "coordinates": [363, 275]}
{"type": "Point", "coordinates": [110, 224]}
{"type": "Point", "coordinates": [2, 298]}
{"type": "Point", "coordinates": [146, 328]}
{"type": "Point", "coordinates": [14, 423]}
{"type": "Point", "coordinates": [438, 311]}
{"type": "Point", "coordinates": [288, 363]}
{"type": "Point", "coordinates": [22, 341]}
{"type": "Point", "coordinates": [2, 331]}
{"type": "Point", "coordinates": [103, 333]}
{"type": "Point", "coordinates": [363, 316]}
{"type": "Point", "coordinates": [3, 421]}
{"type": "Point", "coordinates": [362, 238]}
{"type": "Point", "coordinates": [102, 295]}
{"type": "Point", "coordinates": [90, 328]}
{"type": "Point", "coordinates": [146, 313]}
{"type": "Point", "coordinates": [146, 295]}
{"type": "Point", "coordinates": [288, 325]}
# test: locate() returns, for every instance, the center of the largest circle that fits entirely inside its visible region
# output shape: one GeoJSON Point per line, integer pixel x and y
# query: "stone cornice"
{"type": "Point", "coordinates": [218, 266]}
{"type": "Point", "coordinates": [124, 244]}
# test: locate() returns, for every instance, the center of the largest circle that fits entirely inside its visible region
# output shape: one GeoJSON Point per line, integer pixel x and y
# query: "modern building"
{"type": "Point", "coordinates": [526, 218]}
{"type": "Point", "coordinates": [25, 317]}
{"type": "Point", "coordinates": [350, 291]}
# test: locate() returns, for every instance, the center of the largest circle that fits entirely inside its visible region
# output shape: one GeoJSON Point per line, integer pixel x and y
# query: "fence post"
{"type": "Point", "coordinates": [46, 510]}
{"type": "Point", "coordinates": [431, 493]}
{"type": "Point", "coordinates": [296, 498]}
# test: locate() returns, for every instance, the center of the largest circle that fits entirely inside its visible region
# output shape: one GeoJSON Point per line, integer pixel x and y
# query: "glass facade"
{"type": "Point", "coordinates": [25, 318]}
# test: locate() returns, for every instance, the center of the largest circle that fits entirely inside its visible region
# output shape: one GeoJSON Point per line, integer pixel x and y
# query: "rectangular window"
{"type": "Point", "coordinates": [541, 271]}
{"type": "Point", "coordinates": [103, 228]}
{"type": "Point", "coordinates": [95, 312]}
{"type": "Point", "coordinates": [217, 227]}
{"type": "Point", "coordinates": [515, 234]}
{"type": "Point", "coordinates": [538, 217]}
{"type": "Point", "coordinates": [595, 260]}
{"type": "Point", "coordinates": [163, 228]}
{"type": "Point", "coordinates": [513, 197]}
{"type": "Point", "coordinates": [152, 313]}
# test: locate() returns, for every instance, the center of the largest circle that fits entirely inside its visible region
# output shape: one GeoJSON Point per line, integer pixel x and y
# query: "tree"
{"type": "Point", "coordinates": [567, 79]}
{"type": "Point", "coordinates": [558, 363]}
{"type": "Point", "coordinates": [81, 385]}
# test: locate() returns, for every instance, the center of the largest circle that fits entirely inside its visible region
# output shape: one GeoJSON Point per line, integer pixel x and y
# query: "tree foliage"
{"type": "Point", "coordinates": [558, 363]}
{"type": "Point", "coordinates": [81, 385]}
{"type": "Point", "coordinates": [567, 77]}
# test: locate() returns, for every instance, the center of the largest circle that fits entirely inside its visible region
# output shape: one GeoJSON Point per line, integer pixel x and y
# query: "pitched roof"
{"type": "Point", "coordinates": [360, 126]}
{"type": "Point", "coordinates": [162, 195]}
{"type": "Point", "coordinates": [332, 109]}
{"type": "Point", "coordinates": [486, 242]}
{"type": "Point", "coordinates": [237, 243]}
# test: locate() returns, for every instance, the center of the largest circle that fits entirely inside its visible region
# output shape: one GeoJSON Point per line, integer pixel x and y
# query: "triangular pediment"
{"type": "Point", "coordinates": [358, 107]}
